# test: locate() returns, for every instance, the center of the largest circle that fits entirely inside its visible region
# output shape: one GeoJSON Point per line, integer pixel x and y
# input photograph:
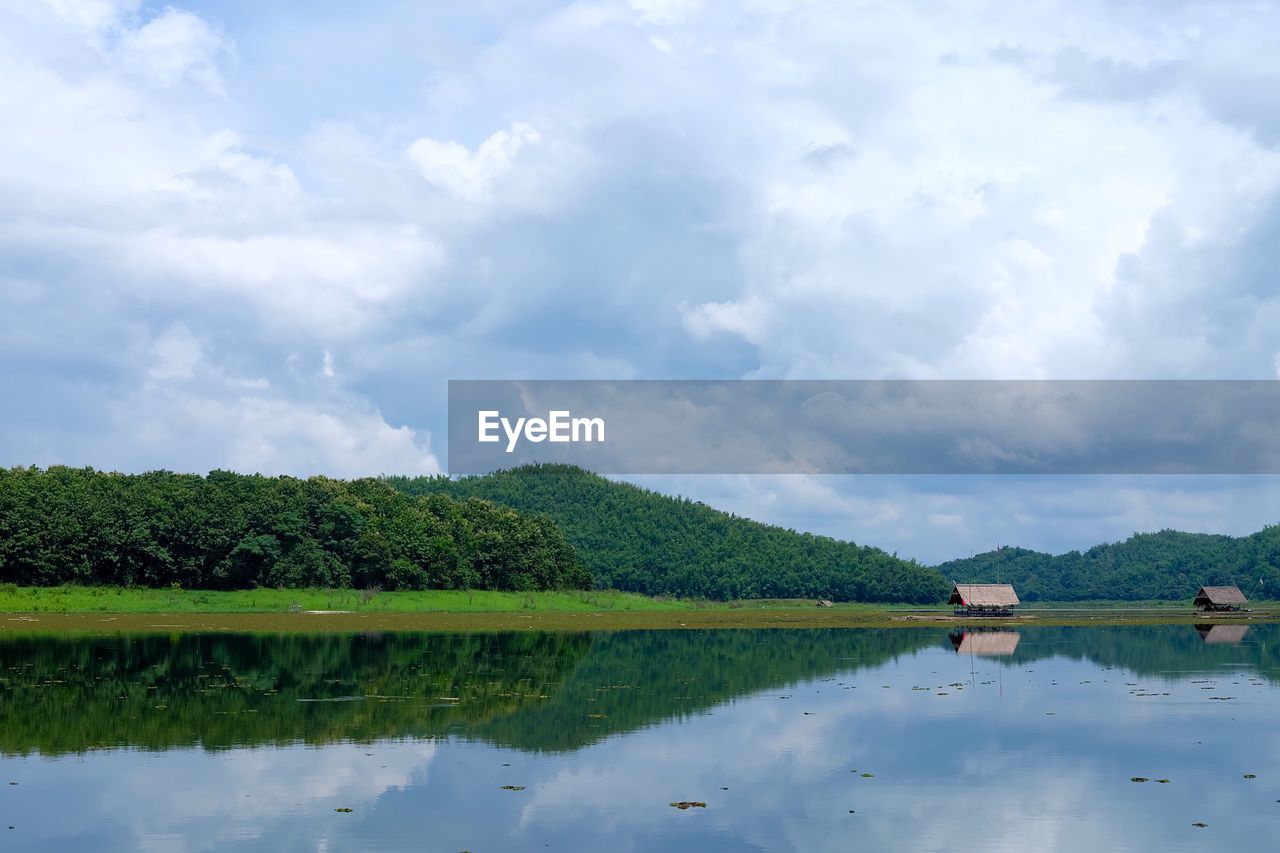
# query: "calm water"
{"type": "Point", "coordinates": [795, 740]}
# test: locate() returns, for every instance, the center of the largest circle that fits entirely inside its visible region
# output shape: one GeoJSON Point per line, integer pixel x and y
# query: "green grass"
{"type": "Point", "coordinates": [482, 604]}
{"type": "Point", "coordinates": [74, 609]}
{"type": "Point", "coordinates": [97, 599]}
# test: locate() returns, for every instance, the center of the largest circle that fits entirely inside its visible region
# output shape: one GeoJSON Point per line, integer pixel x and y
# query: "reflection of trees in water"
{"type": "Point", "coordinates": [530, 691]}
{"type": "Point", "coordinates": [639, 678]}
{"type": "Point", "coordinates": [154, 692]}
{"type": "Point", "coordinates": [1171, 651]}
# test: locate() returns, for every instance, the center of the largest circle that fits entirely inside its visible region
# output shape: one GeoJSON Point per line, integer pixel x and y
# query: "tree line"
{"type": "Point", "coordinates": [637, 540]}
{"type": "Point", "coordinates": [234, 531]}
{"type": "Point", "coordinates": [1169, 565]}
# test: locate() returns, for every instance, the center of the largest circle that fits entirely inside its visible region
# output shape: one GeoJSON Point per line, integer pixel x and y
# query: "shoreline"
{"type": "Point", "coordinates": [16, 623]}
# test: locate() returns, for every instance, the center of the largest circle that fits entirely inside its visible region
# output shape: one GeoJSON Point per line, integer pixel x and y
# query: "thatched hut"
{"type": "Point", "coordinates": [1219, 598]}
{"type": "Point", "coordinates": [983, 599]}
{"type": "Point", "coordinates": [985, 643]}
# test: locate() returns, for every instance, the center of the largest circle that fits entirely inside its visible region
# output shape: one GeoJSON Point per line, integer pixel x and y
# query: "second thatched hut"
{"type": "Point", "coordinates": [1220, 598]}
{"type": "Point", "coordinates": [983, 599]}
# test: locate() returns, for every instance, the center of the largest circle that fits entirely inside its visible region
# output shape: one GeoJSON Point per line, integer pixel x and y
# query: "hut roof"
{"type": "Point", "coordinates": [1230, 634]}
{"type": "Point", "coordinates": [990, 643]}
{"type": "Point", "coordinates": [983, 595]}
{"type": "Point", "coordinates": [1220, 595]}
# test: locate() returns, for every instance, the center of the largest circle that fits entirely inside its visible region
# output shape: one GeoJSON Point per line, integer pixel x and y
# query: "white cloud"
{"type": "Point", "coordinates": [175, 45]}
{"type": "Point", "coordinates": [259, 433]}
{"type": "Point", "coordinates": [665, 11]}
{"type": "Point", "coordinates": [177, 352]}
{"type": "Point", "coordinates": [314, 281]}
{"type": "Point", "coordinates": [471, 175]}
{"type": "Point", "coordinates": [94, 14]}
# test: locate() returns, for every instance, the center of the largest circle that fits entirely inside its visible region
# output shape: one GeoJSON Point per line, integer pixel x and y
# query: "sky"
{"type": "Point", "coordinates": [262, 236]}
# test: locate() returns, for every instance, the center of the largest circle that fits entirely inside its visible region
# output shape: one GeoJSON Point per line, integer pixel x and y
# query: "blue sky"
{"type": "Point", "coordinates": [262, 235]}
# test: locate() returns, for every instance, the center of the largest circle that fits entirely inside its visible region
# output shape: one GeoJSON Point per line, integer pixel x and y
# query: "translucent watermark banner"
{"type": "Point", "coordinates": [868, 426]}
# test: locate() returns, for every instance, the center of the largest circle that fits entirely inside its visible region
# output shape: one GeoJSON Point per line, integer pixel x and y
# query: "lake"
{"type": "Point", "coordinates": [869, 739]}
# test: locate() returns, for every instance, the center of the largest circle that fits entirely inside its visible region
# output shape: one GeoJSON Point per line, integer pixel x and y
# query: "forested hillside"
{"type": "Point", "coordinates": [231, 531]}
{"type": "Point", "coordinates": [538, 527]}
{"type": "Point", "coordinates": [1165, 565]}
{"type": "Point", "coordinates": [637, 540]}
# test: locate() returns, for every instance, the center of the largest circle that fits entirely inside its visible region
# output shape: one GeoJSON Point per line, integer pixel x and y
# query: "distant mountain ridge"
{"type": "Point", "coordinates": [1169, 565]}
{"type": "Point", "coordinates": [642, 541]}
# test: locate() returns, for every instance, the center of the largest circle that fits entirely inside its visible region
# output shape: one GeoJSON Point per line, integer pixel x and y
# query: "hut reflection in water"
{"type": "Point", "coordinates": [1228, 634]}
{"type": "Point", "coordinates": [985, 643]}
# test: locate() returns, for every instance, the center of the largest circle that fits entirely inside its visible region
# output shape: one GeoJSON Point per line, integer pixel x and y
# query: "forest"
{"type": "Point", "coordinates": [1168, 565]}
{"type": "Point", "coordinates": [235, 531]}
{"type": "Point", "coordinates": [532, 528]}
{"type": "Point", "coordinates": [637, 540]}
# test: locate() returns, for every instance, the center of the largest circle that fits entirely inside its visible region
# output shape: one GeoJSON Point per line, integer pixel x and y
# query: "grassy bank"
{"type": "Point", "coordinates": [104, 599]}
{"type": "Point", "coordinates": [98, 599]}
{"type": "Point", "coordinates": [97, 609]}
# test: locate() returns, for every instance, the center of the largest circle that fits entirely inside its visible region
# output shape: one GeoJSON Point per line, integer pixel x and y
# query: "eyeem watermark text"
{"type": "Point", "coordinates": [559, 426]}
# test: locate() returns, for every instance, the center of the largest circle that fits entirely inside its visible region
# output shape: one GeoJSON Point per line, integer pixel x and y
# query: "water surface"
{"type": "Point", "coordinates": [795, 739]}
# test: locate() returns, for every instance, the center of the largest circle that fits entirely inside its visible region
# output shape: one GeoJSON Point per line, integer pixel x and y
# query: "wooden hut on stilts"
{"type": "Point", "coordinates": [1219, 598]}
{"type": "Point", "coordinates": [983, 599]}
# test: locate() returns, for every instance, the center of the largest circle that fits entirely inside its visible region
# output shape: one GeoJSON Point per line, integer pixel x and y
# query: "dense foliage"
{"type": "Point", "coordinates": [232, 531]}
{"type": "Point", "coordinates": [641, 541]}
{"type": "Point", "coordinates": [1166, 565]}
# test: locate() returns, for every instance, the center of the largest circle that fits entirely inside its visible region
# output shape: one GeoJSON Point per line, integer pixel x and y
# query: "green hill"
{"type": "Point", "coordinates": [1167, 565]}
{"type": "Point", "coordinates": [638, 540]}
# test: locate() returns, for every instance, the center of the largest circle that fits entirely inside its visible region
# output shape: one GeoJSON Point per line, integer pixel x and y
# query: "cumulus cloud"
{"type": "Point", "coordinates": [665, 11]}
{"type": "Point", "coordinates": [470, 175]}
{"type": "Point", "coordinates": [164, 280]}
{"type": "Point", "coordinates": [258, 433]}
{"type": "Point", "coordinates": [176, 352]}
{"type": "Point", "coordinates": [174, 45]}
{"type": "Point", "coordinates": [93, 14]}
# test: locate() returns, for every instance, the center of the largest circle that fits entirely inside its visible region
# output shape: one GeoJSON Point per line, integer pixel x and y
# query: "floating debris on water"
{"type": "Point", "coordinates": [689, 804]}
{"type": "Point", "coordinates": [513, 787]}
{"type": "Point", "coordinates": [1139, 779]}
{"type": "Point", "coordinates": [1162, 781]}
{"type": "Point", "coordinates": [1251, 775]}
{"type": "Point", "coordinates": [344, 810]}
{"type": "Point", "coordinates": [1200, 824]}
